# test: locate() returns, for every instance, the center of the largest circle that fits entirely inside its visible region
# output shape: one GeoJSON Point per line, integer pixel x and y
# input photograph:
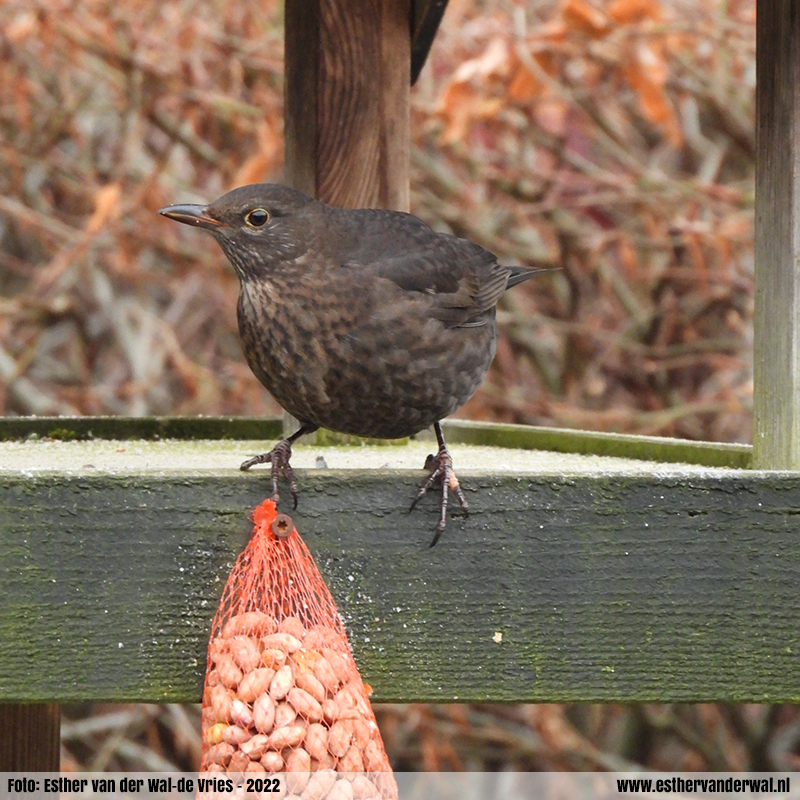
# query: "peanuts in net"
{"type": "Point", "coordinates": [282, 691]}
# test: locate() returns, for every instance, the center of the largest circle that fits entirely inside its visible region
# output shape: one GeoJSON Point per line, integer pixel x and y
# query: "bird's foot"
{"type": "Point", "coordinates": [443, 474]}
{"type": "Point", "coordinates": [279, 458]}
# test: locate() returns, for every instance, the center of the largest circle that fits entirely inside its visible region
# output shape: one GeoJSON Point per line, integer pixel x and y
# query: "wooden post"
{"type": "Point", "coordinates": [776, 390]}
{"type": "Point", "coordinates": [347, 79]}
{"type": "Point", "coordinates": [348, 68]}
{"type": "Point", "coordinates": [30, 737]}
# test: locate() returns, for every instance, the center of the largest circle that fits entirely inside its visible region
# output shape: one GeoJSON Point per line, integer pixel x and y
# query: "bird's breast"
{"type": "Point", "coordinates": [359, 357]}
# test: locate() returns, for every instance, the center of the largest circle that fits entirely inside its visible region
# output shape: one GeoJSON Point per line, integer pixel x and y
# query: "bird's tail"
{"type": "Point", "coordinates": [519, 274]}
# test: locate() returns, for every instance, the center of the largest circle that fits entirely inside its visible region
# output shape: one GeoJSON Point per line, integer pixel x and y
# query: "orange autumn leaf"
{"type": "Point", "coordinates": [462, 106]}
{"type": "Point", "coordinates": [647, 74]}
{"type": "Point", "coordinates": [580, 16]}
{"type": "Point", "coordinates": [632, 11]}
{"type": "Point", "coordinates": [528, 83]}
{"type": "Point", "coordinates": [524, 85]}
{"type": "Point", "coordinates": [106, 206]}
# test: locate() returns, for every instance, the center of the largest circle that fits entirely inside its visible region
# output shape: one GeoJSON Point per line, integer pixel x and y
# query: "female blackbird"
{"type": "Point", "coordinates": [363, 321]}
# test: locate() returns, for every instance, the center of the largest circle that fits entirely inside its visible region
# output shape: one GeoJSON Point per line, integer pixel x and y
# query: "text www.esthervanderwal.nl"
{"type": "Point", "coordinates": [703, 785]}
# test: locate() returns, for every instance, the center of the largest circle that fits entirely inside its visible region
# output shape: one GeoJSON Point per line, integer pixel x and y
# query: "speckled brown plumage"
{"type": "Point", "coordinates": [361, 321]}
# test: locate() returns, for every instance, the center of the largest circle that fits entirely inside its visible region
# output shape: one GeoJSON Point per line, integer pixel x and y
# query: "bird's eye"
{"type": "Point", "coordinates": [257, 217]}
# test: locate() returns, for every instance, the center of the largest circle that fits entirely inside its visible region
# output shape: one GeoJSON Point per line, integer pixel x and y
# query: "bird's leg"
{"type": "Point", "coordinates": [442, 472]}
{"type": "Point", "coordinates": [279, 458]}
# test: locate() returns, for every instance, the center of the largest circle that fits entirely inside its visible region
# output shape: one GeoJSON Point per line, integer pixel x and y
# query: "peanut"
{"type": "Point", "coordinates": [282, 641]}
{"type": "Point", "coordinates": [324, 673]}
{"type": "Point", "coordinates": [220, 701]}
{"type": "Point", "coordinates": [287, 736]}
{"type": "Point", "coordinates": [282, 682]}
{"type": "Point", "coordinates": [245, 653]}
{"type": "Point", "coordinates": [293, 626]}
{"type": "Point", "coordinates": [326, 636]}
{"type": "Point", "coordinates": [273, 658]}
{"type": "Point", "coordinates": [255, 747]}
{"type": "Point", "coordinates": [340, 737]}
{"type": "Point", "coordinates": [343, 665]}
{"type": "Point", "coordinates": [364, 788]}
{"type": "Point", "coordinates": [284, 714]}
{"type": "Point", "coordinates": [220, 753]}
{"type": "Point", "coordinates": [241, 714]}
{"type": "Point", "coordinates": [255, 683]}
{"type": "Point", "coordinates": [305, 705]}
{"type": "Point", "coordinates": [351, 761]}
{"type": "Point", "coordinates": [330, 711]}
{"type": "Point", "coordinates": [327, 762]}
{"type": "Point", "coordinates": [313, 640]}
{"type": "Point", "coordinates": [238, 764]}
{"type": "Point", "coordinates": [305, 680]}
{"type": "Point", "coordinates": [374, 757]}
{"type": "Point", "coordinates": [316, 741]}
{"type": "Point", "coordinates": [319, 785]}
{"type": "Point", "coordinates": [272, 761]}
{"type": "Point", "coordinates": [264, 713]}
{"type": "Point", "coordinates": [255, 623]}
{"type": "Point", "coordinates": [361, 735]}
{"type": "Point", "coordinates": [342, 790]}
{"type": "Point", "coordinates": [298, 770]}
{"type": "Point", "coordinates": [218, 647]}
{"type": "Point", "coordinates": [346, 702]}
{"type": "Point", "coordinates": [229, 673]}
{"type": "Point", "coordinates": [213, 735]}
{"type": "Point", "coordinates": [235, 735]}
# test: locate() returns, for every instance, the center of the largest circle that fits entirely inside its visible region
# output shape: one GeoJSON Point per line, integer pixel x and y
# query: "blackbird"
{"type": "Point", "coordinates": [362, 321]}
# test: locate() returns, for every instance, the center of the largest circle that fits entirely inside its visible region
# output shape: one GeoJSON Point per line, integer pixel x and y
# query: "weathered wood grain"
{"type": "Point", "coordinates": [68, 428]}
{"type": "Point", "coordinates": [301, 42]}
{"type": "Point", "coordinates": [31, 738]}
{"type": "Point", "coordinates": [620, 445]}
{"type": "Point", "coordinates": [776, 384]}
{"type": "Point", "coordinates": [347, 101]}
{"type": "Point", "coordinates": [651, 448]}
{"type": "Point", "coordinates": [603, 587]}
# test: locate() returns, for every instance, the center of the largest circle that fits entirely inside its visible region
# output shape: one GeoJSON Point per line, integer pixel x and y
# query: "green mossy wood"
{"type": "Point", "coordinates": [623, 585]}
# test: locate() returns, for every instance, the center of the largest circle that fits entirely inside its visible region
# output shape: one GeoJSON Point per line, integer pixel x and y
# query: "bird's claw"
{"type": "Point", "coordinates": [441, 472]}
{"type": "Point", "coordinates": [278, 457]}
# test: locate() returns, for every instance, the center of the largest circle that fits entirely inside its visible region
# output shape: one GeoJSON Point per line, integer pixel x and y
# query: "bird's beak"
{"type": "Point", "coordinates": [191, 215]}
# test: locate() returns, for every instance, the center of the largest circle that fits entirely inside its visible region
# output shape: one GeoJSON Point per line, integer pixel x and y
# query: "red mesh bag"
{"type": "Point", "coordinates": [282, 692]}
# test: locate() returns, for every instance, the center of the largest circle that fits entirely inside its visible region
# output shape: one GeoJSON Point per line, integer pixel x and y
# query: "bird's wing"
{"type": "Point", "coordinates": [463, 280]}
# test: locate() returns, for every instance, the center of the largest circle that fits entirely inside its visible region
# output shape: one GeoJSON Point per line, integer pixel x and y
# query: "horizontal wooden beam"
{"type": "Point", "coordinates": [71, 428]}
{"type": "Point", "coordinates": [565, 584]}
{"type": "Point", "coordinates": [618, 445]}
{"type": "Point", "coordinates": [527, 437]}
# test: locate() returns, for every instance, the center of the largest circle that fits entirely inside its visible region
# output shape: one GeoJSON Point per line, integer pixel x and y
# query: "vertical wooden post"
{"type": "Point", "coordinates": [776, 390]}
{"type": "Point", "coordinates": [30, 737]}
{"type": "Point", "coordinates": [348, 72]}
{"type": "Point", "coordinates": [347, 84]}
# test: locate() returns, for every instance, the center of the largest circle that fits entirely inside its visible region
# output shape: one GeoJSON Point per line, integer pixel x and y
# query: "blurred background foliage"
{"type": "Point", "coordinates": [614, 139]}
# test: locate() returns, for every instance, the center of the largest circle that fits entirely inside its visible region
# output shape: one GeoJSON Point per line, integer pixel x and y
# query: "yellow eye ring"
{"type": "Point", "coordinates": [257, 217]}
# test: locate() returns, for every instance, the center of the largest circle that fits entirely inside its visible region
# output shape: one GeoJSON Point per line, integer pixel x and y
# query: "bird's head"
{"type": "Point", "coordinates": [257, 226]}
